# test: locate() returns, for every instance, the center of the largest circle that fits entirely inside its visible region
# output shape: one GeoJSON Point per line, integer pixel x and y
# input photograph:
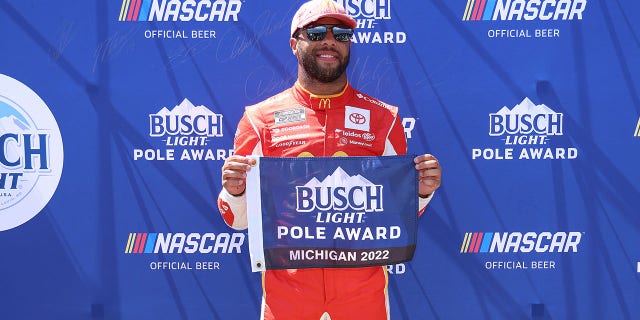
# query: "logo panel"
{"type": "Point", "coordinates": [550, 12]}
{"type": "Point", "coordinates": [289, 116]}
{"type": "Point", "coordinates": [357, 118]}
{"type": "Point", "coordinates": [184, 251]}
{"type": "Point", "coordinates": [526, 131]}
{"type": "Point", "coordinates": [520, 250]}
{"type": "Point", "coordinates": [32, 153]}
{"type": "Point", "coordinates": [186, 132]}
{"type": "Point", "coordinates": [174, 18]}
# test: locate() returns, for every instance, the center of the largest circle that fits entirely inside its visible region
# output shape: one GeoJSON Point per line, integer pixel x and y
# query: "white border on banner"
{"type": "Point", "coordinates": [254, 217]}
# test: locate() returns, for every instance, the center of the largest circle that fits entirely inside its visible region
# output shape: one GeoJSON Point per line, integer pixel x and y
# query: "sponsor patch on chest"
{"type": "Point", "coordinates": [357, 118]}
{"type": "Point", "coordinates": [289, 116]}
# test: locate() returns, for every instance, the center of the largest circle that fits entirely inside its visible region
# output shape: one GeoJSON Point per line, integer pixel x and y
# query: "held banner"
{"type": "Point", "coordinates": [331, 212]}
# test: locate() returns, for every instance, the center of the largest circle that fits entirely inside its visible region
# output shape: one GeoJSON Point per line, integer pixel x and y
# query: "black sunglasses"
{"type": "Point", "coordinates": [318, 33]}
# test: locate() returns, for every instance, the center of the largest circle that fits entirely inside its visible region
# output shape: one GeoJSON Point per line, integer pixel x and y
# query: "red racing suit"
{"type": "Point", "coordinates": [296, 123]}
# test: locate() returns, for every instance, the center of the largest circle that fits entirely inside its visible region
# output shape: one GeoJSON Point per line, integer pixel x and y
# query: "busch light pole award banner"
{"type": "Point", "coordinates": [331, 212]}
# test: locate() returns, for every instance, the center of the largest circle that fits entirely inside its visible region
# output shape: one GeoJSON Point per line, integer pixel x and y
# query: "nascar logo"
{"type": "Point", "coordinates": [501, 242]}
{"type": "Point", "coordinates": [524, 10]}
{"type": "Point", "coordinates": [174, 10]}
{"type": "Point", "coordinates": [184, 243]}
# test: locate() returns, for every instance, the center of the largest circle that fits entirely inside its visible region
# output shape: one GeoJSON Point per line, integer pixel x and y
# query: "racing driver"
{"type": "Point", "coordinates": [321, 115]}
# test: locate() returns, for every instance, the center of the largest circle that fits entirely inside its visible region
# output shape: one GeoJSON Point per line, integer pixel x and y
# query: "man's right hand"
{"type": "Point", "coordinates": [234, 174]}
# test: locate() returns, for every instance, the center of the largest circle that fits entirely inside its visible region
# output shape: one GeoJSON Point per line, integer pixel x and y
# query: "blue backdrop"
{"type": "Point", "coordinates": [532, 107]}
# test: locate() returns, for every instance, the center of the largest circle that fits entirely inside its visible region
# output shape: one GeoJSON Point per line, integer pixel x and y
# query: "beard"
{"type": "Point", "coordinates": [324, 75]}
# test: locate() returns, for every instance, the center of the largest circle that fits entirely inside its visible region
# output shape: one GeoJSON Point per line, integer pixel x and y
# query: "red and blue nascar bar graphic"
{"type": "Point", "coordinates": [140, 243]}
{"type": "Point", "coordinates": [134, 10]}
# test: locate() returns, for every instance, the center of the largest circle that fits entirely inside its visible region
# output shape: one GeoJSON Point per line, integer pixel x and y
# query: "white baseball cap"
{"type": "Point", "coordinates": [316, 9]}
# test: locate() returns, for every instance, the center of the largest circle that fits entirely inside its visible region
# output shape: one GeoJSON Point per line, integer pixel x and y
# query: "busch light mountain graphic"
{"type": "Point", "coordinates": [525, 118]}
{"type": "Point", "coordinates": [185, 119]}
{"type": "Point", "coordinates": [339, 191]}
{"type": "Point", "coordinates": [12, 123]}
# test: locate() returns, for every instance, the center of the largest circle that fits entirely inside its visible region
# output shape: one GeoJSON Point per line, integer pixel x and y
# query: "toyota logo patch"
{"type": "Point", "coordinates": [357, 118]}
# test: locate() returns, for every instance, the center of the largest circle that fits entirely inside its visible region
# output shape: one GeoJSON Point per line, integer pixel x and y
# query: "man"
{"type": "Point", "coordinates": [320, 116]}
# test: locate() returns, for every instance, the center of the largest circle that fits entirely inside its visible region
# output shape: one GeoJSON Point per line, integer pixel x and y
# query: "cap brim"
{"type": "Point", "coordinates": [347, 20]}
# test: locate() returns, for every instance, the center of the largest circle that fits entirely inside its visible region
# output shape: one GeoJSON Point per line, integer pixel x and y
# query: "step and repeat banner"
{"type": "Point", "coordinates": [116, 117]}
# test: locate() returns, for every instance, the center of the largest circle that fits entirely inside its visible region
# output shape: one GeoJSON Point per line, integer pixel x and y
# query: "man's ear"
{"type": "Point", "coordinates": [293, 43]}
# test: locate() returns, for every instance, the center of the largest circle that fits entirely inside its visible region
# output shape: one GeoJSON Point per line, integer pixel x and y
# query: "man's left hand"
{"type": "Point", "coordinates": [429, 174]}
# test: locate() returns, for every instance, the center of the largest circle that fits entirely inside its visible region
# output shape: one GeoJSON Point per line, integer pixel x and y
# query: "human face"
{"type": "Point", "coordinates": [324, 60]}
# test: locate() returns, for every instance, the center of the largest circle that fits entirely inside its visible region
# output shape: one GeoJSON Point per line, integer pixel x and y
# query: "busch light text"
{"type": "Point", "coordinates": [171, 124]}
{"type": "Point", "coordinates": [544, 124]}
{"type": "Point", "coordinates": [25, 159]}
{"type": "Point", "coordinates": [366, 198]}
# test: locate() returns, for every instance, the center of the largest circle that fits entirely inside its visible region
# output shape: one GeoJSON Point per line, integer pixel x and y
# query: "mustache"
{"type": "Point", "coordinates": [326, 48]}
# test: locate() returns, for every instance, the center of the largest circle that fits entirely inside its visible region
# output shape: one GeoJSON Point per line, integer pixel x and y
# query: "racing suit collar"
{"type": "Point", "coordinates": [318, 102]}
